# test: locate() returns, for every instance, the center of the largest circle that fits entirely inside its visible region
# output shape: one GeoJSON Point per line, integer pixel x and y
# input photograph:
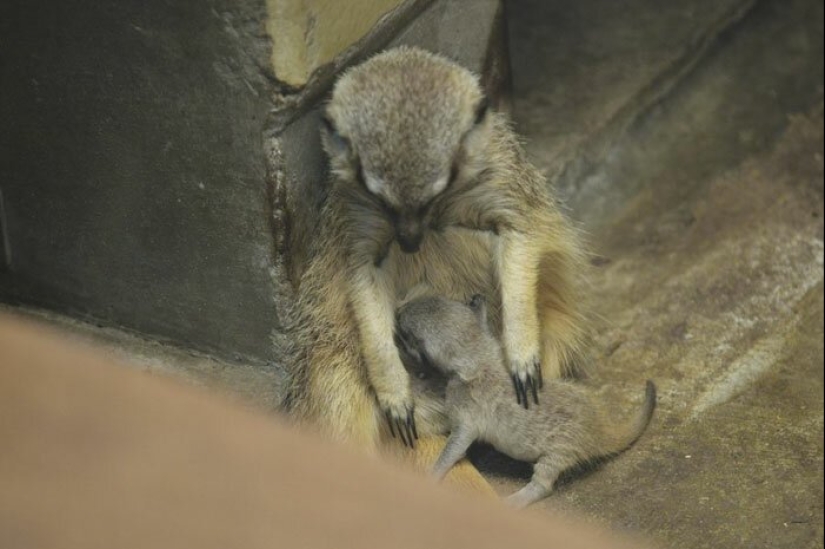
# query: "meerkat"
{"type": "Point", "coordinates": [567, 428]}
{"type": "Point", "coordinates": [428, 186]}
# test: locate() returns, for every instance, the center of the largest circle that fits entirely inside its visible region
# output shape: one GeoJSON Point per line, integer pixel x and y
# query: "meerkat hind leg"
{"type": "Point", "coordinates": [540, 486]}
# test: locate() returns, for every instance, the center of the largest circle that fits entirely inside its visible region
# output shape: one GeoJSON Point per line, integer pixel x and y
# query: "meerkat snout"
{"type": "Point", "coordinates": [409, 230]}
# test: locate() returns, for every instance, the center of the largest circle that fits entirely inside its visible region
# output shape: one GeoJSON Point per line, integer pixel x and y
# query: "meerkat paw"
{"type": "Point", "coordinates": [527, 380]}
{"type": "Point", "coordinates": [400, 415]}
{"type": "Point", "coordinates": [523, 351]}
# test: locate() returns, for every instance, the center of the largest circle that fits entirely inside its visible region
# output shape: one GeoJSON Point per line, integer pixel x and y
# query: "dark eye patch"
{"type": "Point", "coordinates": [453, 173]}
{"type": "Point", "coordinates": [389, 210]}
{"type": "Point", "coordinates": [422, 210]}
{"type": "Point", "coordinates": [359, 173]}
{"type": "Point", "coordinates": [328, 124]}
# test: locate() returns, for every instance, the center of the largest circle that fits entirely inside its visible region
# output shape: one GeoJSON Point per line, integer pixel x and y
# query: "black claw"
{"type": "Point", "coordinates": [403, 427]}
{"type": "Point", "coordinates": [389, 421]}
{"type": "Point", "coordinates": [534, 386]}
{"type": "Point", "coordinates": [524, 388]}
{"type": "Point", "coordinates": [517, 387]}
{"type": "Point", "coordinates": [539, 374]}
{"type": "Point", "coordinates": [411, 425]}
{"type": "Point", "coordinates": [401, 431]}
{"type": "Point", "coordinates": [521, 392]}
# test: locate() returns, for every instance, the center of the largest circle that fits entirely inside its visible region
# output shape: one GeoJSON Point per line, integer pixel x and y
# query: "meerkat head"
{"type": "Point", "coordinates": [400, 126]}
{"type": "Point", "coordinates": [447, 335]}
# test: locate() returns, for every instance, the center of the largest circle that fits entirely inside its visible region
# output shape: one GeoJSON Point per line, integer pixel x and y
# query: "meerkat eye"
{"type": "Point", "coordinates": [425, 360]}
{"type": "Point", "coordinates": [359, 172]}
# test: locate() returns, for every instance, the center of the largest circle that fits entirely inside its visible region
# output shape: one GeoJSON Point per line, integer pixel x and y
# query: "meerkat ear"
{"type": "Point", "coordinates": [475, 141]}
{"type": "Point", "coordinates": [334, 143]}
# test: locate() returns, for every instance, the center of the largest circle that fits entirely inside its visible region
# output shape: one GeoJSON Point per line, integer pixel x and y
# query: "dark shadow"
{"type": "Point", "coordinates": [491, 462]}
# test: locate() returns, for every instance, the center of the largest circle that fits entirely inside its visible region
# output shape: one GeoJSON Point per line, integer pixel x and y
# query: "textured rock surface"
{"type": "Point", "coordinates": [132, 170]}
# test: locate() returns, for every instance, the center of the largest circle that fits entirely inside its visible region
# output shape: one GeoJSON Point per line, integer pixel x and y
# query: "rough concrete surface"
{"type": "Point", "coordinates": [131, 167]}
{"type": "Point", "coordinates": [704, 210]}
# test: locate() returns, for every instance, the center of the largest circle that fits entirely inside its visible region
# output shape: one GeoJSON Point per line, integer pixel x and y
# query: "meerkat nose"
{"type": "Point", "coordinates": [409, 232]}
{"type": "Point", "coordinates": [409, 245]}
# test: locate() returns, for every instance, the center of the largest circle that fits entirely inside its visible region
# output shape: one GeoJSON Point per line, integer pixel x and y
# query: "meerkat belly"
{"type": "Point", "coordinates": [455, 263]}
{"type": "Point", "coordinates": [510, 438]}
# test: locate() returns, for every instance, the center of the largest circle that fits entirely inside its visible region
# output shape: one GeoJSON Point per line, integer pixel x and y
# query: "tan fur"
{"type": "Point", "coordinates": [401, 125]}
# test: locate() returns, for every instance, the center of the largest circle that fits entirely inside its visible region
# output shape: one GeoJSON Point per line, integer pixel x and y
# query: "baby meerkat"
{"type": "Point", "coordinates": [567, 428]}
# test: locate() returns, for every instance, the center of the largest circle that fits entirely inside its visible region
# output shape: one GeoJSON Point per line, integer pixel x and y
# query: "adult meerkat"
{"type": "Point", "coordinates": [429, 187]}
{"type": "Point", "coordinates": [567, 428]}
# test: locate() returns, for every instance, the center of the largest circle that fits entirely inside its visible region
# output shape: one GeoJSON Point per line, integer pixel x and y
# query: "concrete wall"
{"type": "Point", "coordinates": [132, 169]}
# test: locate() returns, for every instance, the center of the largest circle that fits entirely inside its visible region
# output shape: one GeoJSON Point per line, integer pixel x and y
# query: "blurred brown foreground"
{"type": "Point", "coordinates": [94, 455]}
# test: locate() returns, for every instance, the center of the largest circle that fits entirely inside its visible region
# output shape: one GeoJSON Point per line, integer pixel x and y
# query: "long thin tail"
{"type": "Point", "coordinates": [626, 435]}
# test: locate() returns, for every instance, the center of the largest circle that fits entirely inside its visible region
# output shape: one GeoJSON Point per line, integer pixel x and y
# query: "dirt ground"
{"type": "Point", "coordinates": [706, 219]}
{"type": "Point", "coordinates": [702, 200]}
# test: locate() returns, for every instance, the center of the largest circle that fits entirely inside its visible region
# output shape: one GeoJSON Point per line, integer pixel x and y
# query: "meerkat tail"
{"type": "Point", "coordinates": [622, 438]}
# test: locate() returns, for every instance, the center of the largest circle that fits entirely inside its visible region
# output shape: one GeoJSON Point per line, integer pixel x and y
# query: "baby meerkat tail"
{"type": "Point", "coordinates": [622, 438]}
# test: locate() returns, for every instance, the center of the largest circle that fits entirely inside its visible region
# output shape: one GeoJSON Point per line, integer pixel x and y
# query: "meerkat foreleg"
{"type": "Point", "coordinates": [518, 276]}
{"type": "Point", "coordinates": [375, 315]}
{"type": "Point", "coordinates": [454, 451]}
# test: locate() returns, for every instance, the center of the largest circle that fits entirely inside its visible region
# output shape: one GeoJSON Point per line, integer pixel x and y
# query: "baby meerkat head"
{"type": "Point", "coordinates": [447, 335]}
{"type": "Point", "coordinates": [398, 126]}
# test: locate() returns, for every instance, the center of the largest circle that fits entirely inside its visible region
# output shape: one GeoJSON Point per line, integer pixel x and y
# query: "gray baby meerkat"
{"type": "Point", "coordinates": [568, 427]}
